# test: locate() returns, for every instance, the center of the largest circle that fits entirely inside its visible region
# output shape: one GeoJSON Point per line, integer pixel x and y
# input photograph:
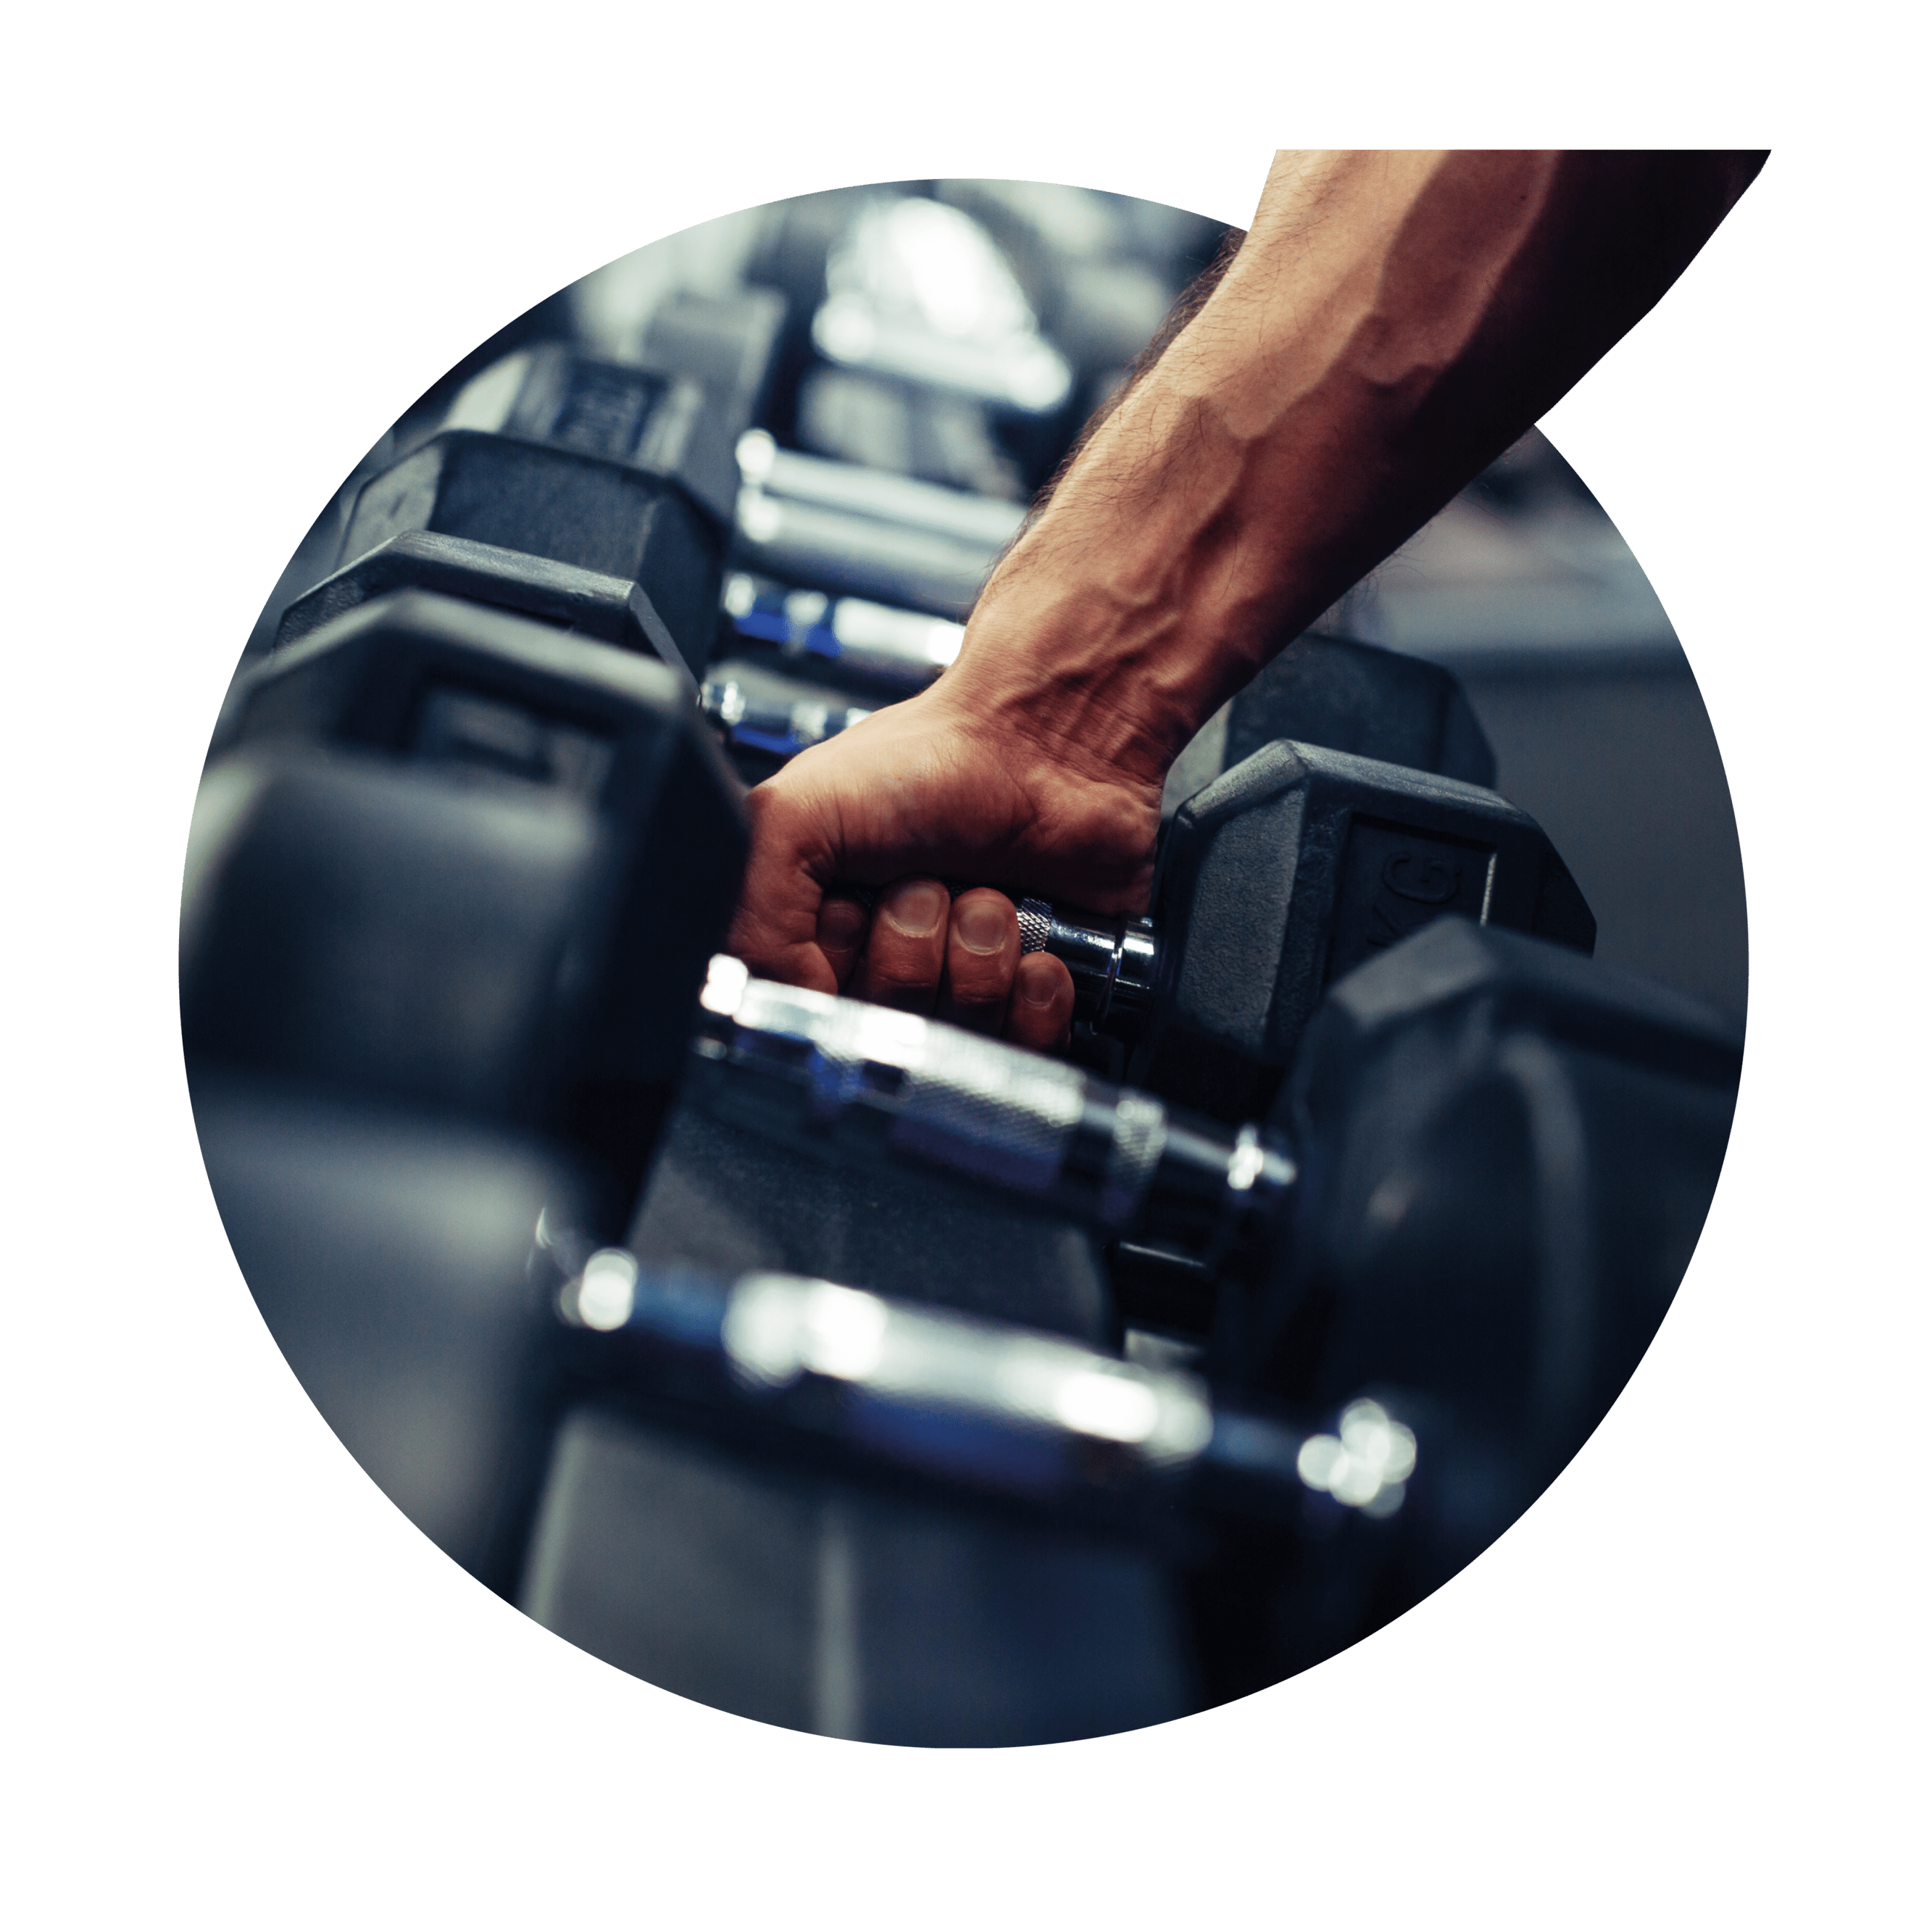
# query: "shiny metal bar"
{"type": "Point", "coordinates": [987, 1403]}
{"type": "Point", "coordinates": [843, 1077]}
{"type": "Point", "coordinates": [1115, 964]}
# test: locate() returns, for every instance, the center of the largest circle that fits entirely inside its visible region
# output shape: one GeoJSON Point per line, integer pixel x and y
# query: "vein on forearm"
{"type": "Point", "coordinates": [1392, 322]}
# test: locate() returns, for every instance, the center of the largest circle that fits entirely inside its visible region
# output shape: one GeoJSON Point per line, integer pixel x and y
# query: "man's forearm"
{"type": "Point", "coordinates": [1392, 321]}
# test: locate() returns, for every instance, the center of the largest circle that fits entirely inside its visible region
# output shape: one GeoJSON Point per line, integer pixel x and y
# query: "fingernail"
{"type": "Point", "coordinates": [917, 910]}
{"type": "Point", "coordinates": [983, 925]}
{"type": "Point", "coordinates": [1033, 992]}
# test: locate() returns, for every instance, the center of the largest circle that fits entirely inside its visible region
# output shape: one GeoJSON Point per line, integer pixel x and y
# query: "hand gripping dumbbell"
{"type": "Point", "coordinates": [1274, 881]}
{"type": "Point", "coordinates": [1277, 877]}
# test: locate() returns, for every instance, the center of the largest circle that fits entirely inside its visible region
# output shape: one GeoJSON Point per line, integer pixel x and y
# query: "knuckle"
{"type": "Point", "coordinates": [900, 978]}
{"type": "Point", "coordinates": [977, 1000]}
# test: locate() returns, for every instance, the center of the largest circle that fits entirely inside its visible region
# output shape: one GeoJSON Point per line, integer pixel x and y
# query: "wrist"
{"type": "Point", "coordinates": [1153, 585]}
{"type": "Point", "coordinates": [1065, 665]}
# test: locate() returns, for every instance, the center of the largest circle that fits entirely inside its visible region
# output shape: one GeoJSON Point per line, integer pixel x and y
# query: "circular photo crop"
{"type": "Point", "coordinates": [850, 1362]}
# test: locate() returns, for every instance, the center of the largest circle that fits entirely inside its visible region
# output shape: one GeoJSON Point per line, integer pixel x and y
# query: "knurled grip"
{"type": "Point", "coordinates": [960, 1100]}
{"type": "Point", "coordinates": [1035, 925]}
{"type": "Point", "coordinates": [1004, 1116]}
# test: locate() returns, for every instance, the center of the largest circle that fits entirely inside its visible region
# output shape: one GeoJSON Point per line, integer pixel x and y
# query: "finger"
{"type": "Point", "coordinates": [842, 923]}
{"type": "Point", "coordinates": [905, 953]}
{"type": "Point", "coordinates": [775, 928]}
{"type": "Point", "coordinates": [1039, 1013]}
{"type": "Point", "coordinates": [982, 949]}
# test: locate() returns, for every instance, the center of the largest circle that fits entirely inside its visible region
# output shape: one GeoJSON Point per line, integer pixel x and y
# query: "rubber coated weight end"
{"type": "Point", "coordinates": [1507, 1152]}
{"type": "Point", "coordinates": [611, 610]}
{"type": "Point", "coordinates": [1297, 866]}
{"type": "Point", "coordinates": [1363, 700]}
{"type": "Point", "coordinates": [591, 513]}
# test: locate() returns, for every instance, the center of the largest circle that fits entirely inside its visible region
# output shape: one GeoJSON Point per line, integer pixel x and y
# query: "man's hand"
{"type": "Point", "coordinates": [940, 787]}
{"type": "Point", "coordinates": [1392, 322]}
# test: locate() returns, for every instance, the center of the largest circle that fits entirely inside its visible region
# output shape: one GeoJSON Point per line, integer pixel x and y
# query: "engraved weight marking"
{"type": "Point", "coordinates": [1422, 877]}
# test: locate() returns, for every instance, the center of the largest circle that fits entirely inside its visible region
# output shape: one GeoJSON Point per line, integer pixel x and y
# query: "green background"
{"type": "Point", "coordinates": [244, 1691]}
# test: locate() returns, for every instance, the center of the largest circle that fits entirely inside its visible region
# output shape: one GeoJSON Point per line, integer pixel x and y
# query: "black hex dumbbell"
{"type": "Point", "coordinates": [453, 882]}
{"type": "Point", "coordinates": [1364, 699]}
{"type": "Point", "coordinates": [1507, 1155]}
{"type": "Point", "coordinates": [1454, 1239]}
{"type": "Point", "coordinates": [1273, 881]}
{"type": "Point", "coordinates": [466, 862]}
{"type": "Point", "coordinates": [381, 1060]}
{"type": "Point", "coordinates": [592, 494]}
{"type": "Point", "coordinates": [1518, 1146]}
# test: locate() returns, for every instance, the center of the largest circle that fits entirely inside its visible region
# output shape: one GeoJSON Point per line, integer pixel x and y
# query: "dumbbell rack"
{"type": "Point", "coordinates": [878, 1440]}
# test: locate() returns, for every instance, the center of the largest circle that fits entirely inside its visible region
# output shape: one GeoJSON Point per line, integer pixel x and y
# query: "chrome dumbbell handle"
{"type": "Point", "coordinates": [841, 1075]}
{"type": "Point", "coordinates": [1115, 963]}
{"type": "Point", "coordinates": [987, 1403]}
